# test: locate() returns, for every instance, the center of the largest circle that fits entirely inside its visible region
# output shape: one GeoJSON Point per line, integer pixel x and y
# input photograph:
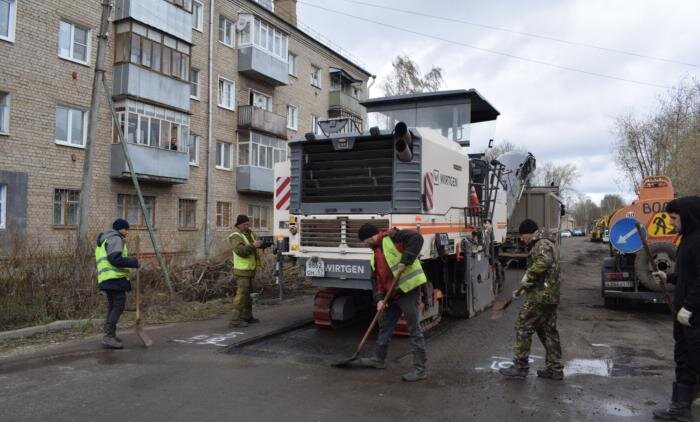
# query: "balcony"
{"type": "Point", "coordinates": [151, 164]}
{"type": "Point", "coordinates": [261, 120]}
{"type": "Point", "coordinates": [159, 14]}
{"type": "Point", "coordinates": [260, 65]}
{"type": "Point", "coordinates": [252, 179]}
{"type": "Point", "coordinates": [345, 101]}
{"type": "Point", "coordinates": [145, 84]}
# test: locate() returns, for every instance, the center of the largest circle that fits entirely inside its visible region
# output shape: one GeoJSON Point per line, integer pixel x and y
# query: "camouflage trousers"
{"type": "Point", "coordinates": [537, 318]}
{"type": "Point", "coordinates": [242, 303]}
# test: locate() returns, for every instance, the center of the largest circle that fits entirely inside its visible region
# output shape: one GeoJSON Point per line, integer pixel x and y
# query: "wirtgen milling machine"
{"type": "Point", "coordinates": [409, 171]}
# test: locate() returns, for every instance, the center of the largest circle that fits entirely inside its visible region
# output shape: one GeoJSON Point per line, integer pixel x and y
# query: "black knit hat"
{"type": "Point", "coordinates": [242, 218]}
{"type": "Point", "coordinates": [527, 227]}
{"type": "Point", "coordinates": [366, 231]}
{"type": "Point", "coordinates": [120, 224]}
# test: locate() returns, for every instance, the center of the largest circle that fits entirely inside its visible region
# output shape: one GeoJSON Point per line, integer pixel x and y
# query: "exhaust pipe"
{"type": "Point", "coordinates": [403, 142]}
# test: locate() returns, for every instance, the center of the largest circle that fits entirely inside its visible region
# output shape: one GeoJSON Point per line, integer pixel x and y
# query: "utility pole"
{"type": "Point", "coordinates": [86, 186]}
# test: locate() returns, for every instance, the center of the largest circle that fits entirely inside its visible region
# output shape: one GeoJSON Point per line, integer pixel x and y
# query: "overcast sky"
{"type": "Point", "coordinates": [558, 115]}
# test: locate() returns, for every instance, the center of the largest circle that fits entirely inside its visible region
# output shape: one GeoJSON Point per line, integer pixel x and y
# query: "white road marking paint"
{"type": "Point", "coordinates": [219, 340]}
{"type": "Point", "coordinates": [500, 362]}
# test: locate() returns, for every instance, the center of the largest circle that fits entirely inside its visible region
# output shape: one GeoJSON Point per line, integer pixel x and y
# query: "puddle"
{"type": "Point", "coordinates": [617, 409]}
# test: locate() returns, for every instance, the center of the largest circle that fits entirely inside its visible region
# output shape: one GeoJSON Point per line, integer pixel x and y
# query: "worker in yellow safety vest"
{"type": "Point", "coordinates": [246, 259]}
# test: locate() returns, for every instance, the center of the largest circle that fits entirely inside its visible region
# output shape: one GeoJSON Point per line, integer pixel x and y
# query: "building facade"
{"type": "Point", "coordinates": [207, 93]}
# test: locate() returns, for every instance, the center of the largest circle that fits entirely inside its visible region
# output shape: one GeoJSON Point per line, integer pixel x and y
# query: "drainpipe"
{"type": "Point", "coordinates": [210, 135]}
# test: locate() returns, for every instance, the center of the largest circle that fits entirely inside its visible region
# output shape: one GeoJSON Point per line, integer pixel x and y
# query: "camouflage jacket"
{"type": "Point", "coordinates": [543, 270]}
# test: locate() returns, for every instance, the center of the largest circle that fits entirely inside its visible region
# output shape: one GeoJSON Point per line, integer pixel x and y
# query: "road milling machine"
{"type": "Point", "coordinates": [409, 171]}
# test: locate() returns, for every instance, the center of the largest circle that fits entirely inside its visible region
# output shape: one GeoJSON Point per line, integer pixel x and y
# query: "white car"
{"type": "Point", "coordinates": [606, 237]}
{"type": "Point", "coordinates": [566, 233]}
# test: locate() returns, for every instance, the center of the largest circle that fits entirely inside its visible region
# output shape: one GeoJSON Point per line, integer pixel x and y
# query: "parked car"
{"type": "Point", "coordinates": [565, 233]}
{"type": "Point", "coordinates": [577, 232]}
{"type": "Point", "coordinates": [606, 236]}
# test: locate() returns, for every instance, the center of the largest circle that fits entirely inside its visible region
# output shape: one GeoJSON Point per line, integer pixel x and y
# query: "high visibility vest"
{"type": "Point", "coordinates": [105, 269]}
{"type": "Point", "coordinates": [412, 277]}
{"type": "Point", "coordinates": [249, 262]}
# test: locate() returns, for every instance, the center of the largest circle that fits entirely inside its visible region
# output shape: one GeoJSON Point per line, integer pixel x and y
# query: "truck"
{"type": "Point", "coordinates": [408, 171]}
{"type": "Point", "coordinates": [627, 276]}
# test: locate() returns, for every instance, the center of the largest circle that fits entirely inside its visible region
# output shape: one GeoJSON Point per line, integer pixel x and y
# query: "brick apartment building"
{"type": "Point", "coordinates": [207, 99]}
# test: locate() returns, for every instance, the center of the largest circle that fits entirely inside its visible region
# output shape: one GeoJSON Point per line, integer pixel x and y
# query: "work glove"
{"type": "Point", "coordinates": [684, 317]}
{"type": "Point", "coordinates": [660, 276]}
{"type": "Point", "coordinates": [525, 283]}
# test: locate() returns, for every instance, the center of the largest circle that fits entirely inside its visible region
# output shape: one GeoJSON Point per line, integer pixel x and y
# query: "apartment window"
{"type": "Point", "coordinates": [197, 15]}
{"type": "Point", "coordinates": [316, 76]}
{"type": "Point", "coordinates": [129, 209]}
{"type": "Point", "coordinates": [267, 4]}
{"type": "Point", "coordinates": [194, 84]}
{"type": "Point", "coordinates": [259, 100]}
{"type": "Point", "coordinates": [259, 216]}
{"type": "Point", "coordinates": [187, 214]}
{"type": "Point", "coordinates": [71, 126]}
{"type": "Point", "coordinates": [255, 149]}
{"type": "Point", "coordinates": [223, 215]}
{"type": "Point", "coordinates": [292, 117]}
{"type": "Point", "coordinates": [223, 155]}
{"type": "Point", "coordinates": [4, 112]}
{"type": "Point", "coordinates": [226, 94]}
{"type": "Point", "coordinates": [8, 19]}
{"type": "Point", "coordinates": [66, 205]}
{"type": "Point", "coordinates": [314, 124]}
{"type": "Point", "coordinates": [292, 62]}
{"type": "Point", "coordinates": [152, 126]}
{"type": "Point", "coordinates": [193, 149]}
{"type": "Point", "coordinates": [3, 206]}
{"type": "Point", "coordinates": [183, 4]}
{"type": "Point", "coordinates": [73, 42]}
{"type": "Point", "coordinates": [264, 37]}
{"type": "Point", "coordinates": [226, 31]}
{"type": "Point", "coordinates": [146, 47]}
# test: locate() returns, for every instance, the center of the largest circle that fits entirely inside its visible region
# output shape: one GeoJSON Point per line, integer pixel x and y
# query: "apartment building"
{"type": "Point", "coordinates": [207, 93]}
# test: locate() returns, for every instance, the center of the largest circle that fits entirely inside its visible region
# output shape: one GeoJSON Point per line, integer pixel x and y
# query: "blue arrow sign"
{"type": "Point", "coordinates": [624, 236]}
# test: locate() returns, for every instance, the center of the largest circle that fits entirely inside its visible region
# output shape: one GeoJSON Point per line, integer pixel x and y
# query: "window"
{"type": "Point", "coordinates": [259, 100]}
{"type": "Point", "coordinates": [223, 215]}
{"type": "Point", "coordinates": [73, 42]}
{"type": "Point", "coordinates": [226, 94]}
{"type": "Point", "coordinates": [4, 111]}
{"type": "Point", "coordinates": [71, 126]}
{"type": "Point", "coordinates": [316, 76]}
{"type": "Point", "coordinates": [186, 214]}
{"type": "Point", "coordinates": [267, 4]}
{"type": "Point", "coordinates": [292, 117]}
{"type": "Point", "coordinates": [259, 216]}
{"type": "Point", "coordinates": [66, 206]}
{"type": "Point", "coordinates": [3, 206]}
{"type": "Point", "coordinates": [193, 149]}
{"type": "Point", "coordinates": [197, 11]}
{"type": "Point", "coordinates": [264, 37]}
{"type": "Point", "coordinates": [136, 44]}
{"type": "Point", "coordinates": [152, 126]}
{"type": "Point", "coordinates": [226, 31]}
{"type": "Point", "coordinates": [314, 124]}
{"type": "Point", "coordinates": [292, 61]}
{"type": "Point", "coordinates": [223, 155]}
{"type": "Point", "coordinates": [194, 84]}
{"type": "Point", "coordinates": [8, 19]}
{"type": "Point", "coordinates": [129, 209]}
{"type": "Point", "coordinates": [256, 149]}
{"type": "Point", "coordinates": [183, 4]}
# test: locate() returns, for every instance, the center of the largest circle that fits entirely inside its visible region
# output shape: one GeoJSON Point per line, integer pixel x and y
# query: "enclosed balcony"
{"type": "Point", "coordinates": [171, 17]}
{"type": "Point", "coordinates": [151, 164]}
{"type": "Point", "coordinates": [261, 120]}
{"type": "Point", "coordinates": [263, 66]}
{"type": "Point", "coordinates": [262, 51]}
{"type": "Point", "coordinates": [257, 154]}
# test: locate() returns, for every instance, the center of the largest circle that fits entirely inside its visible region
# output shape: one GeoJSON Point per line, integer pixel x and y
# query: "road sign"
{"type": "Point", "coordinates": [660, 225]}
{"type": "Point", "coordinates": [624, 236]}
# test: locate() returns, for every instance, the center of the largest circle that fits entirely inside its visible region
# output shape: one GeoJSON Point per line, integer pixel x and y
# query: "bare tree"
{"type": "Point", "coordinates": [565, 176]}
{"type": "Point", "coordinates": [585, 211]}
{"type": "Point", "coordinates": [406, 78]}
{"type": "Point", "coordinates": [610, 203]}
{"type": "Point", "coordinates": [501, 148]}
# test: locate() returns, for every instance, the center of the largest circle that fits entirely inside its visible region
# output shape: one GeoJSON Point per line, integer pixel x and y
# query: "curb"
{"type": "Point", "coordinates": [48, 328]}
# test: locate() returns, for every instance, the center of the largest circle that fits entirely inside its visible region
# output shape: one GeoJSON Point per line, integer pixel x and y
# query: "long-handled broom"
{"type": "Point", "coordinates": [137, 327]}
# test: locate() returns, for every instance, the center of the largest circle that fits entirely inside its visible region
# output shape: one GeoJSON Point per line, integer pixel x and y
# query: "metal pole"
{"type": "Point", "coordinates": [279, 269]}
{"type": "Point", "coordinates": [135, 181]}
{"type": "Point", "coordinates": [86, 185]}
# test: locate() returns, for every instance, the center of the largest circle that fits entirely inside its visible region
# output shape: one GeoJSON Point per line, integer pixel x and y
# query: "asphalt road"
{"type": "Point", "coordinates": [618, 367]}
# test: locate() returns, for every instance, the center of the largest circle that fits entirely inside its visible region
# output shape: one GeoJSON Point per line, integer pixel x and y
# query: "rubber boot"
{"type": "Point", "coordinates": [514, 372]}
{"type": "Point", "coordinates": [679, 409]}
{"type": "Point", "coordinates": [550, 374]}
{"type": "Point", "coordinates": [418, 372]}
{"type": "Point", "coordinates": [378, 361]}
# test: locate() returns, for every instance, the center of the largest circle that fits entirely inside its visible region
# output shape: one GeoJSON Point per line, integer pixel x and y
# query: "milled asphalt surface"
{"type": "Point", "coordinates": [619, 367]}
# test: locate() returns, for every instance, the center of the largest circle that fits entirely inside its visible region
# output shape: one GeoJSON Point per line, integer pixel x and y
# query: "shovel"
{"type": "Point", "coordinates": [139, 330]}
{"type": "Point", "coordinates": [499, 307]}
{"type": "Point", "coordinates": [387, 296]}
{"type": "Point", "coordinates": [655, 267]}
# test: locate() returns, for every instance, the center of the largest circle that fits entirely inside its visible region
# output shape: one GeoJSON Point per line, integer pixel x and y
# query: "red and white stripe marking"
{"type": "Point", "coordinates": [428, 190]}
{"type": "Point", "coordinates": [283, 193]}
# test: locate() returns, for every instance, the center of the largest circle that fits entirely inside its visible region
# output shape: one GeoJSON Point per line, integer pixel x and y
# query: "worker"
{"type": "Point", "coordinates": [246, 259]}
{"type": "Point", "coordinates": [538, 314]}
{"type": "Point", "coordinates": [396, 255]}
{"type": "Point", "coordinates": [685, 217]}
{"type": "Point", "coordinates": [113, 263]}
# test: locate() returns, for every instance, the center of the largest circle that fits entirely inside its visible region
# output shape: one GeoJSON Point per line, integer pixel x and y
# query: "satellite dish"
{"type": "Point", "coordinates": [241, 24]}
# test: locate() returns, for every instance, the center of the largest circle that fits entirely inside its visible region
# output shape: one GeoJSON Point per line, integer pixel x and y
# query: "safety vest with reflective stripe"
{"type": "Point", "coordinates": [244, 262]}
{"type": "Point", "coordinates": [105, 269]}
{"type": "Point", "coordinates": [412, 277]}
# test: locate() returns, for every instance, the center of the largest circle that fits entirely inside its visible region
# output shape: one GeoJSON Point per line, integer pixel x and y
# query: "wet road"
{"type": "Point", "coordinates": [619, 366]}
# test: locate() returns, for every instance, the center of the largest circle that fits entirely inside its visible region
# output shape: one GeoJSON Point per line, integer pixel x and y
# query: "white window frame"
{"type": "Point", "coordinates": [293, 123]}
{"type": "Point", "coordinates": [232, 94]}
{"type": "Point", "coordinates": [11, 25]}
{"type": "Point", "coordinates": [253, 94]}
{"type": "Point", "coordinates": [198, 21]}
{"type": "Point", "coordinates": [221, 157]}
{"type": "Point", "coordinates": [88, 47]}
{"type": "Point", "coordinates": [258, 150]}
{"type": "Point", "coordinates": [219, 207]}
{"type": "Point", "coordinates": [3, 206]}
{"type": "Point", "coordinates": [140, 222]}
{"type": "Point", "coordinates": [5, 112]}
{"type": "Point", "coordinates": [263, 36]}
{"type": "Point", "coordinates": [69, 127]}
{"type": "Point", "coordinates": [315, 71]}
{"type": "Point", "coordinates": [292, 64]}
{"type": "Point", "coordinates": [64, 204]}
{"type": "Point", "coordinates": [196, 138]}
{"type": "Point", "coordinates": [194, 71]}
{"type": "Point", "coordinates": [232, 27]}
{"type": "Point", "coordinates": [314, 124]}
{"type": "Point", "coordinates": [252, 208]}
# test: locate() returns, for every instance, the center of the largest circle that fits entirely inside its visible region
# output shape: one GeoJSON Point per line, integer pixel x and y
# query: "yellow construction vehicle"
{"type": "Point", "coordinates": [599, 227]}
